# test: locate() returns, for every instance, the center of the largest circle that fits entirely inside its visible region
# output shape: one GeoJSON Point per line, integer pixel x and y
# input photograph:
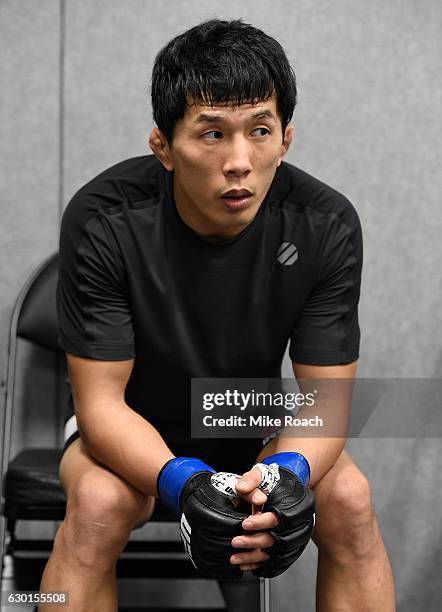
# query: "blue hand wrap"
{"type": "Point", "coordinates": [295, 462]}
{"type": "Point", "coordinates": [174, 475]}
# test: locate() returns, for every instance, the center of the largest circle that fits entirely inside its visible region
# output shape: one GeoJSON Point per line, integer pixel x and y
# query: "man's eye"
{"type": "Point", "coordinates": [264, 131]}
{"type": "Point", "coordinates": [216, 134]}
{"type": "Point", "coordinates": [212, 135]}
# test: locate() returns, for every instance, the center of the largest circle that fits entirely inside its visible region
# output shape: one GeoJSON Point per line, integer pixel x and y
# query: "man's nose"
{"type": "Point", "coordinates": [237, 160]}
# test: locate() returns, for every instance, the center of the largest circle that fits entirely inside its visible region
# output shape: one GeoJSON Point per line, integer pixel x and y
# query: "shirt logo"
{"type": "Point", "coordinates": [287, 253]}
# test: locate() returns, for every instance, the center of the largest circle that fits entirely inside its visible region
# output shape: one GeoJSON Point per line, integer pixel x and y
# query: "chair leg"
{"type": "Point", "coordinates": [2, 547]}
{"type": "Point", "coordinates": [10, 529]}
{"type": "Point", "coordinates": [7, 542]}
{"type": "Point", "coordinates": [241, 594]}
{"type": "Point", "coordinates": [265, 600]}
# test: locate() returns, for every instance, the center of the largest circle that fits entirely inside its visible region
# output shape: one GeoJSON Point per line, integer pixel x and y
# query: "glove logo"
{"type": "Point", "coordinates": [225, 482]}
{"type": "Point", "coordinates": [270, 476]}
{"type": "Point", "coordinates": [186, 531]}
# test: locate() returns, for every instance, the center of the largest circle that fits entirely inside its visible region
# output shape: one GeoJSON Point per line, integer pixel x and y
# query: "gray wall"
{"type": "Point", "coordinates": [73, 79]}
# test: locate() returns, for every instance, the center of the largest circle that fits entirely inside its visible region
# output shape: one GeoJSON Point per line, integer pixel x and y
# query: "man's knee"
{"type": "Point", "coordinates": [100, 515]}
{"type": "Point", "coordinates": [350, 496]}
{"type": "Point", "coordinates": [345, 517]}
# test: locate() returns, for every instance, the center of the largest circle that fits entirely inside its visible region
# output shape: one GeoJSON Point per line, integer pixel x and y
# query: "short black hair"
{"type": "Point", "coordinates": [216, 62]}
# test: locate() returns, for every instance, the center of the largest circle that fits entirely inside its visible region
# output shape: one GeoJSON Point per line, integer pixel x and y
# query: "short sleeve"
{"type": "Point", "coordinates": [92, 300]}
{"type": "Point", "coordinates": [326, 331]}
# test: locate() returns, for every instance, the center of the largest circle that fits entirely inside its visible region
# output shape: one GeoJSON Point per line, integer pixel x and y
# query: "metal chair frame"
{"type": "Point", "coordinates": [9, 387]}
{"type": "Point", "coordinates": [8, 392]}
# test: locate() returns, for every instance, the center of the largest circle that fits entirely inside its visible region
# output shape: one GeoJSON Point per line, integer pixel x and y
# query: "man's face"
{"type": "Point", "coordinates": [224, 160]}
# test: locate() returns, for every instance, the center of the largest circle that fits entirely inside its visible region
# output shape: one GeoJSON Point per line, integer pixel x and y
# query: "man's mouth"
{"type": "Point", "coordinates": [236, 199]}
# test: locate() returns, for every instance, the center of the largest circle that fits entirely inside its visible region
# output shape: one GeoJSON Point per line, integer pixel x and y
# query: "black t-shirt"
{"type": "Point", "coordinates": [136, 282]}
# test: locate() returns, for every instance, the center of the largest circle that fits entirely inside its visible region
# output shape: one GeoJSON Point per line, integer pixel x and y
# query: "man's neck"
{"type": "Point", "coordinates": [216, 238]}
{"type": "Point", "coordinates": [206, 235]}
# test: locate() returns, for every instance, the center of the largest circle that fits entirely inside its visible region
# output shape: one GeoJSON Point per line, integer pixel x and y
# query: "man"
{"type": "Point", "coordinates": [172, 267]}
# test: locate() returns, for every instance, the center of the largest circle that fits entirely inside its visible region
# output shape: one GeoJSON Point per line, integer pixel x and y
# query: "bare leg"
{"type": "Point", "coordinates": [102, 509]}
{"type": "Point", "coordinates": [354, 573]}
{"type": "Point", "coordinates": [88, 590]}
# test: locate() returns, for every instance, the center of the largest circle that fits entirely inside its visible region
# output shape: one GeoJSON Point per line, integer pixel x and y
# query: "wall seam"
{"type": "Point", "coordinates": [61, 110]}
{"type": "Point", "coordinates": [58, 358]}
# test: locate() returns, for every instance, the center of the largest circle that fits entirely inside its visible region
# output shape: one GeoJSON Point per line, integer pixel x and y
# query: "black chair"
{"type": "Point", "coordinates": [30, 485]}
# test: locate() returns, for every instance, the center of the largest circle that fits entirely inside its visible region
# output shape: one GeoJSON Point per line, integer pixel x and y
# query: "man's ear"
{"type": "Point", "coordinates": [288, 137]}
{"type": "Point", "coordinates": [160, 148]}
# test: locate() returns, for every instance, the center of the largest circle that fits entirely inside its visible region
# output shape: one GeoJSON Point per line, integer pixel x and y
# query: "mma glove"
{"type": "Point", "coordinates": [285, 478]}
{"type": "Point", "coordinates": [209, 518]}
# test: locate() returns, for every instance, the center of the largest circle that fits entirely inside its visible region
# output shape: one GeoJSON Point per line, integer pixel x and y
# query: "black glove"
{"type": "Point", "coordinates": [209, 518]}
{"type": "Point", "coordinates": [285, 478]}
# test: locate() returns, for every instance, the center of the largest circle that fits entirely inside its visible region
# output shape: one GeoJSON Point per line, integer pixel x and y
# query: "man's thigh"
{"type": "Point", "coordinates": [236, 455]}
{"type": "Point", "coordinates": [77, 463]}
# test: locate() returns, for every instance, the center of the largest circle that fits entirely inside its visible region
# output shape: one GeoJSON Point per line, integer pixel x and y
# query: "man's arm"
{"type": "Point", "coordinates": [320, 452]}
{"type": "Point", "coordinates": [113, 433]}
{"type": "Point", "coordinates": [123, 441]}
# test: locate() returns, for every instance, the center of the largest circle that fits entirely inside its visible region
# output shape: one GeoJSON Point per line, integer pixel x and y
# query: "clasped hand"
{"type": "Point", "coordinates": [256, 539]}
{"type": "Point", "coordinates": [212, 519]}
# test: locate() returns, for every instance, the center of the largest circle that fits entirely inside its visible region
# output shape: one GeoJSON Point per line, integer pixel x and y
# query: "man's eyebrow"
{"type": "Point", "coordinates": [205, 118]}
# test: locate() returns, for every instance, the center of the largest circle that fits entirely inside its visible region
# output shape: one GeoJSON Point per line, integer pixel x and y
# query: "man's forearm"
{"type": "Point", "coordinates": [332, 406]}
{"type": "Point", "coordinates": [321, 453]}
{"type": "Point", "coordinates": [123, 441]}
